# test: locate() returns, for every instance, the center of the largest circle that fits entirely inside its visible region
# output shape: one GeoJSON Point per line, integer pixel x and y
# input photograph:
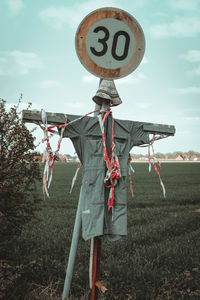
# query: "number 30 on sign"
{"type": "Point", "coordinates": [110, 43]}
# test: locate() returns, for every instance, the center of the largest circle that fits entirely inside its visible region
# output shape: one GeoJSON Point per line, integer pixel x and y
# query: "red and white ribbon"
{"type": "Point", "coordinates": [50, 156]}
{"type": "Point", "coordinates": [113, 172]}
{"type": "Point", "coordinates": [156, 167]}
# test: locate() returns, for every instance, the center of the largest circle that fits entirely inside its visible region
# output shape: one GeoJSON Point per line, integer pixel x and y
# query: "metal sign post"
{"type": "Point", "coordinates": [110, 44]}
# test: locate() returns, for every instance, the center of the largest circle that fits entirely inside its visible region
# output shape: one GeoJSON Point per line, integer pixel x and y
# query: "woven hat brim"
{"type": "Point", "coordinates": [107, 91]}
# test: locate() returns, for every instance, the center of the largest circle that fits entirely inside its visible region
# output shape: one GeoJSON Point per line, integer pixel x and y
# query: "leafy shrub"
{"type": "Point", "coordinates": [18, 174]}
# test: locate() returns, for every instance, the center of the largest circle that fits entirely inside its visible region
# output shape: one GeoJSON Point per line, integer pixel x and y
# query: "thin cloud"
{"type": "Point", "coordinates": [132, 79]}
{"type": "Point", "coordinates": [191, 56]}
{"type": "Point", "coordinates": [15, 6]}
{"type": "Point", "coordinates": [90, 79]}
{"type": "Point", "coordinates": [62, 16]}
{"type": "Point", "coordinates": [192, 118]}
{"type": "Point", "coordinates": [19, 63]}
{"type": "Point", "coordinates": [51, 83]}
{"type": "Point", "coordinates": [72, 105]}
{"type": "Point", "coordinates": [181, 27]}
{"type": "Point", "coordinates": [91, 5]}
{"type": "Point", "coordinates": [59, 17]}
{"type": "Point", "coordinates": [143, 105]}
{"type": "Point", "coordinates": [195, 71]}
{"type": "Point", "coordinates": [22, 106]}
{"type": "Point", "coordinates": [188, 90]}
{"type": "Point", "coordinates": [184, 4]}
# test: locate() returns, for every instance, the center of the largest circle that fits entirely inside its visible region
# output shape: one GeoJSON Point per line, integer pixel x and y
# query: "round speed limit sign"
{"type": "Point", "coordinates": [110, 43]}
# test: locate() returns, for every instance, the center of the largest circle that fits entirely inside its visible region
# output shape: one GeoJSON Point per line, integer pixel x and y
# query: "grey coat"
{"type": "Point", "coordinates": [87, 140]}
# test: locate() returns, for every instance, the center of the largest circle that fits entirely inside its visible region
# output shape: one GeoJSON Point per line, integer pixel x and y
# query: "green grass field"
{"type": "Point", "coordinates": [159, 259]}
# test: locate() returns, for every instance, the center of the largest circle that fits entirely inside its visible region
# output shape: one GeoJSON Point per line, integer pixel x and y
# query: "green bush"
{"type": "Point", "coordinates": [18, 175]}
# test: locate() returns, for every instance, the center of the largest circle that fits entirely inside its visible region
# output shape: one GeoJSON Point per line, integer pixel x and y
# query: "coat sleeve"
{"type": "Point", "coordinates": [77, 128]}
{"type": "Point", "coordinates": [138, 135]}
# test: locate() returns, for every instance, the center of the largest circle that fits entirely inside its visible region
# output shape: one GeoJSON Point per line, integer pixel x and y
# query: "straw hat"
{"type": "Point", "coordinates": [107, 91]}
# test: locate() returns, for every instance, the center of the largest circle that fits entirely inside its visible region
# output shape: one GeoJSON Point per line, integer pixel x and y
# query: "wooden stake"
{"type": "Point", "coordinates": [96, 268]}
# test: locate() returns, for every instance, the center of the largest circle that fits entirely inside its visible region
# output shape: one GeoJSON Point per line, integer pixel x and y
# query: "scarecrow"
{"type": "Point", "coordinates": [103, 144]}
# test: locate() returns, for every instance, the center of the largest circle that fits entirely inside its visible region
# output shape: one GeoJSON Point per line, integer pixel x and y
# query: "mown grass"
{"type": "Point", "coordinates": [161, 249]}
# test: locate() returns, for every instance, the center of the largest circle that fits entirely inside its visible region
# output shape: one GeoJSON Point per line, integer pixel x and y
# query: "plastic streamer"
{"type": "Point", "coordinates": [130, 169]}
{"type": "Point", "coordinates": [156, 167]}
{"type": "Point", "coordinates": [75, 176]}
{"type": "Point", "coordinates": [112, 162]}
{"type": "Point", "coordinates": [50, 156]}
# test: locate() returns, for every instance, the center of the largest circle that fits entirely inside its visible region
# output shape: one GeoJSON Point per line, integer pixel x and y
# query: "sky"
{"type": "Point", "coordinates": [38, 59]}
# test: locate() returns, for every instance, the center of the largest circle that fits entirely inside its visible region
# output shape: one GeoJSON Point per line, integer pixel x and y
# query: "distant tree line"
{"type": "Point", "coordinates": [190, 154]}
{"type": "Point", "coordinates": [38, 157]}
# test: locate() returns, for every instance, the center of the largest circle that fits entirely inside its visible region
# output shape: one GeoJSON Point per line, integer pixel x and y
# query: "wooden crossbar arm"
{"type": "Point", "coordinates": [159, 128]}
{"type": "Point", "coordinates": [33, 116]}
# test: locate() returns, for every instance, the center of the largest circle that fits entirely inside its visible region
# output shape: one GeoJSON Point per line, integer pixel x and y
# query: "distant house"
{"type": "Point", "coordinates": [194, 158]}
{"type": "Point", "coordinates": [68, 158]}
{"type": "Point", "coordinates": [63, 158]}
{"type": "Point", "coordinates": [180, 157]}
{"type": "Point", "coordinates": [185, 156]}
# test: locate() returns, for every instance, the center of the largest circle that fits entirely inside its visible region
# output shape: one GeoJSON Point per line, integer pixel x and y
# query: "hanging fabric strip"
{"type": "Point", "coordinates": [149, 158]}
{"type": "Point", "coordinates": [51, 156]}
{"type": "Point", "coordinates": [75, 176]}
{"type": "Point", "coordinates": [113, 172]}
{"type": "Point", "coordinates": [155, 161]}
{"type": "Point", "coordinates": [49, 153]}
{"type": "Point", "coordinates": [130, 169]}
{"type": "Point", "coordinates": [161, 182]}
